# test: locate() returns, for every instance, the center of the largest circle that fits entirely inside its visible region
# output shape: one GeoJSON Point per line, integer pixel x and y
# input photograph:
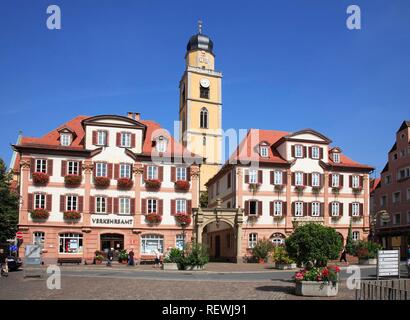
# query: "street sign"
{"type": "Point", "coordinates": [19, 235]}
{"type": "Point", "coordinates": [388, 263]}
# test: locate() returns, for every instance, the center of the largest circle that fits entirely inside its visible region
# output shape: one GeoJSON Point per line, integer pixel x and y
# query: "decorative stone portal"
{"type": "Point", "coordinates": [220, 230]}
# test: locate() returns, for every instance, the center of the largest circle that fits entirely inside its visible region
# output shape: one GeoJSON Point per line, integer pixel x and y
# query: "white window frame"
{"type": "Point", "coordinates": [71, 203]}
{"type": "Point", "coordinates": [299, 178]}
{"type": "Point", "coordinates": [65, 139]}
{"type": "Point", "coordinates": [298, 209]}
{"type": "Point", "coordinates": [335, 180]}
{"type": "Point", "coordinates": [125, 170]}
{"type": "Point", "coordinates": [264, 151]}
{"type": "Point", "coordinates": [335, 207]}
{"type": "Point", "coordinates": [101, 169]}
{"type": "Point", "coordinates": [152, 206]}
{"type": "Point", "coordinates": [73, 167]}
{"type": "Point", "coordinates": [315, 209]}
{"type": "Point", "coordinates": [73, 236]}
{"type": "Point", "coordinates": [356, 235]}
{"type": "Point", "coordinates": [161, 144]}
{"type": "Point", "coordinates": [315, 152]}
{"type": "Point", "coordinates": [100, 205]}
{"type": "Point", "coordinates": [298, 151]}
{"type": "Point", "coordinates": [181, 206]}
{"type": "Point", "coordinates": [315, 179]}
{"type": "Point", "coordinates": [336, 157]}
{"type": "Point", "coordinates": [39, 201]}
{"type": "Point", "coordinates": [125, 139]}
{"type": "Point", "coordinates": [156, 242]}
{"type": "Point", "coordinates": [152, 172]}
{"type": "Point", "coordinates": [277, 177]}
{"type": "Point", "coordinates": [355, 209]}
{"type": "Point", "coordinates": [181, 173]}
{"type": "Point", "coordinates": [101, 138]}
{"type": "Point", "coordinates": [277, 208]}
{"type": "Point", "coordinates": [179, 241]}
{"type": "Point", "coordinates": [252, 240]}
{"type": "Point", "coordinates": [39, 235]}
{"type": "Point", "coordinates": [355, 181]}
{"type": "Point", "coordinates": [124, 205]}
{"type": "Point", "coordinates": [253, 176]}
{"type": "Point", "coordinates": [41, 165]}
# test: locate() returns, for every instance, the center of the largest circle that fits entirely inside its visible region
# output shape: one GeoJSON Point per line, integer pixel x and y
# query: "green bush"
{"type": "Point", "coordinates": [262, 249]}
{"type": "Point", "coordinates": [173, 256]}
{"type": "Point", "coordinates": [314, 244]}
{"type": "Point", "coordinates": [123, 256]}
{"type": "Point", "coordinates": [280, 256]}
{"type": "Point", "coordinates": [196, 255]}
{"type": "Point", "coordinates": [366, 249]}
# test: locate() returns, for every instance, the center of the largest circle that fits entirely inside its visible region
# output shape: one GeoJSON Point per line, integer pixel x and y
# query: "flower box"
{"type": "Point", "coordinates": [279, 187]}
{"type": "Point", "coordinates": [125, 183]}
{"type": "Point", "coordinates": [183, 218]}
{"type": "Point", "coordinates": [39, 214]}
{"type": "Point", "coordinates": [357, 190]}
{"type": "Point", "coordinates": [254, 187]}
{"type": "Point", "coordinates": [153, 218]}
{"type": "Point", "coordinates": [170, 266]}
{"type": "Point", "coordinates": [316, 289]}
{"type": "Point", "coordinates": [336, 190]}
{"type": "Point", "coordinates": [72, 215]}
{"type": "Point", "coordinates": [182, 185]}
{"type": "Point", "coordinates": [101, 182]}
{"type": "Point", "coordinates": [72, 180]}
{"type": "Point", "coordinates": [316, 189]}
{"type": "Point", "coordinates": [300, 188]}
{"type": "Point", "coordinates": [153, 184]}
{"type": "Point", "coordinates": [40, 178]}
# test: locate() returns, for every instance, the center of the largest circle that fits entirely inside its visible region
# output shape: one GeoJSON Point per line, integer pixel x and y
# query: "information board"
{"type": "Point", "coordinates": [388, 263]}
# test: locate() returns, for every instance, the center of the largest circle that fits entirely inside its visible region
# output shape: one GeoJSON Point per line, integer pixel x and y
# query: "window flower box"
{"type": "Point", "coordinates": [317, 282]}
{"type": "Point", "coordinates": [335, 190]}
{"type": "Point", "coordinates": [254, 187]}
{"type": "Point", "coordinates": [316, 190]}
{"type": "Point", "coordinates": [182, 185]}
{"type": "Point", "coordinates": [101, 182]}
{"type": "Point", "coordinates": [71, 215]}
{"type": "Point", "coordinates": [183, 218]}
{"type": "Point", "coordinates": [124, 183]}
{"type": "Point", "coordinates": [153, 218]}
{"type": "Point", "coordinates": [357, 189]}
{"type": "Point", "coordinates": [39, 214]}
{"type": "Point", "coordinates": [153, 184]}
{"type": "Point", "coordinates": [72, 180]}
{"type": "Point", "coordinates": [40, 178]}
{"type": "Point", "coordinates": [299, 189]}
{"type": "Point", "coordinates": [279, 187]}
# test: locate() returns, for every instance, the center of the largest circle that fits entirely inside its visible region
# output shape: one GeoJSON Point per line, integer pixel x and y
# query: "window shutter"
{"type": "Point", "coordinates": [95, 169]}
{"type": "Point", "coordinates": [118, 140]}
{"type": "Point", "coordinates": [173, 174]}
{"type": "Point", "coordinates": [350, 181]}
{"type": "Point", "coordinates": [260, 207]}
{"type": "Point", "coordinates": [272, 177]}
{"type": "Point", "coordinates": [189, 206]}
{"type": "Point", "coordinates": [160, 173]}
{"type": "Point", "coordinates": [92, 204]}
{"type": "Point", "coordinates": [62, 203]}
{"type": "Point", "coordinates": [32, 166]}
{"type": "Point", "coordinates": [361, 209]}
{"type": "Point", "coordinates": [322, 209]}
{"type": "Point", "coordinates": [340, 209]}
{"type": "Point", "coordinates": [109, 170]}
{"type": "Point", "coordinates": [271, 204]}
{"type": "Point", "coordinates": [116, 171]}
{"type": "Point", "coordinates": [293, 178]}
{"type": "Point", "coordinates": [132, 206]}
{"type": "Point", "coordinates": [132, 140]}
{"type": "Point", "coordinates": [361, 181]}
{"type": "Point", "coordinates": [143, 206]}
{"type": "Point", "coordinates": [95, 137]}
{"type": "Point", "coordinates": [30, 204]}
{"type": "Point", "coordinates": [50, 167]}
{"type": "Point", "coordinates": [330, 180]}
{"type": "Point", "coordinates": [80, 168]}
{"type": "Point", "coordinates": [145, 173]}
{"type": "Point", "coordinates": [350, 209]}
{"type": "Point", "coordinates": [284, 177]}
{"type": "Point", "coordinates": [80, 204]}
{"type": "Point", "coordinates": [305, 178]}
{"type": "Point", "coordinates": [304, 152]}
{"type": "Point", "coordinates": [116, 205]}
{"type": "Point", "coordinates": [293, 209]}
{"type": "Point", "coordinates": [246, 208]}
{"type": "Point", "coordinates": [246, 176]}
{"type": "Point", "coordinates": [310, 152]}
{"type": "Point", "coordinates": [321, 178]}
{"type": "Point", "coordinates": [63, 168]}
{"type": "Point", "coordinates": [320, 153]}
{"type": "Point", "coordinates": [107, 137]}
{"type": "Point", "coordinates": [188, 173]}
{"type": "Point", "coordinates": [173, 207]}
{"type": "Point", "coordinates": [292, 148]}
{"type": "Point", "coordinates": [49, 198]}
{"type": "Point", "coordinates": [109, 205]}
{"type": "Point", "coordinates": [330, 208]}
{"type": "Point", "coordinates": [260, 176]}
{"type": "Point", "coordinates": [341, 183]}
{"type": "Point", "coordinates": [309, 179]}
{"type": "Point", "coordinates": [305, 209]}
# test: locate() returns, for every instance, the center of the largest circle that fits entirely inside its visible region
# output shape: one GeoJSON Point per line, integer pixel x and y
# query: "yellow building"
{"type": "Point", "coordinates": [200, 107]}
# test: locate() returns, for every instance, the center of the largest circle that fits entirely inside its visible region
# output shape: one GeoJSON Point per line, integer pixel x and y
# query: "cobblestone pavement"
{"type": "Point", "coordinates": [89, 287]}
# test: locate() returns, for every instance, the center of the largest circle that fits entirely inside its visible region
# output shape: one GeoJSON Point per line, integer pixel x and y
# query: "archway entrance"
{"type": "Point", "coordinates": [220, 237]}
{"type": "Point", "coordinates": [112, 240]}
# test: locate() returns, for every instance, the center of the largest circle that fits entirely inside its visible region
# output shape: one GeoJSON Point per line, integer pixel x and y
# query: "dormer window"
{"type": "Point", "coordinates": [161, 144]}
{"type": "Point", "coordinates": [126, 140]}
{"type": "Point", "coordinates": [336, 157]}
{"type": "Point", "coordinates": [65, 139]}
{"type": "Point", "coordinates": [315, 153]}
{"type": "Point", "coordinates": [298, 151]}
{"type": "Point", "coordinates": [264, 151]}
{"type": "Point", "coordinates": [101, 138]}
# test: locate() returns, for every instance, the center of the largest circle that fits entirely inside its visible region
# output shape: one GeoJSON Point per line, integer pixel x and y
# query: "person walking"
{"type": "Point", "coordinates": [157, 258]}
{"type": "Point", "coordinates": [343, 256]}
{"type": "Point", "coordinates": [131, 258]}
{"type": "Point", "coordinates": [4, 267]}
{"type": "Point", "coordinates": [110, 257]}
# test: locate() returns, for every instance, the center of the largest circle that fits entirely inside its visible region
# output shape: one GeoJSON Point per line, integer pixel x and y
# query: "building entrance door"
{"type": "Point", "coordinates": [112, 240]}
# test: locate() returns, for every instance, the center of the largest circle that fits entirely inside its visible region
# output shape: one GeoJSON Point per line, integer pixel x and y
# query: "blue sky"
{"type": "Point", "coordinates": [287, 65]}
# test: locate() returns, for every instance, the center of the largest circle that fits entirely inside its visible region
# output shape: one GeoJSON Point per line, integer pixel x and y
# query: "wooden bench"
{"type": "Point", "coordinates": [60, 261]}
{"type": "Point", "coordinates": [146, 259]}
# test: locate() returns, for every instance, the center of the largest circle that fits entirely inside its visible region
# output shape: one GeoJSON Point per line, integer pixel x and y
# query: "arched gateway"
{"type": "Point", "coordinates": [220, 230]}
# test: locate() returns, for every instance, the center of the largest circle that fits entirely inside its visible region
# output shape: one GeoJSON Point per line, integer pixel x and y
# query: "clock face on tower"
{"type": "Point", "coordinates": [204, 83]}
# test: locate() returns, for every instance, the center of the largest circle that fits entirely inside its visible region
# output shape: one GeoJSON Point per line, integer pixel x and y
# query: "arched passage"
{"type": "Point", "coordinates": [220, 239]}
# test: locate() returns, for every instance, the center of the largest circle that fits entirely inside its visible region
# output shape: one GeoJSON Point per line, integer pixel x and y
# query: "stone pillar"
{"type": "Point", "coordinates": [138, 171]}
{"type": "Point", "coordinates": [195, 178]}
{"type": "Point", "coordinates": [239, 222]}
{"type": "Point", "coordinates": [239, 188]}
{"type": "Point", "coordinates": [88, 168]}
{"type": "Point", "coordinates": [24, 182]}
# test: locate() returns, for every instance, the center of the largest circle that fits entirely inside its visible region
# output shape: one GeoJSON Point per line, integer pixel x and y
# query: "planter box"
{"type": "Point", "coordinates": [316, 289]}
{"type": "Point", "coordinates": [169, 266]}
{"type": "Point", "coordinates": [368, 261]}
{"type": "Point", "coordinates": [282, 266]}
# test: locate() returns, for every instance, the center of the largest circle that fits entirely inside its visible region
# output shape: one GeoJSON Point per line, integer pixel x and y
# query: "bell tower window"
{"type": "Point", "coordinates": [204, 118]}
{"type": "Point", "coordinates": [204, 92]}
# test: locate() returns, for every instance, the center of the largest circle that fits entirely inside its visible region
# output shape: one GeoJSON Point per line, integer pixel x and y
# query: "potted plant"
{"type": "Point", "coordinates": [123, 257]}
{"type": "Point", "coordinates": [153, 218]}
{"type": "Point", "coordinates": [101, 182]}
{"type": "Point", "coordinates": [40, 178]}
{"type": "Point", "coordinates": [196, 256]}
{"type": "Point", "coordinates": [98, 258]}
{"type": "Point", "coordinates": [316, 190]}
{"type": "Point", "coordinates": [124, 183]}
{"type": "Point", "coordinates": [39, 214]}
{"type": "Point", "coordinates": [281, 259]}
{"type": "Point", "coordinates": [173, 260]}
{"type": "Point", "coordinates": [253, 187]}
{"type": "Point", "coordinates": [262, 249]}
{"type": "Point", "coordinates": [182, 185]}
{"type": "Point", "coordinates": [299, 189]}
{"type": "Point", "coordinates": [72, 180]}
{"type": "Point", "coordinates": [279, 187]}
{"type": "Point", "coordinates": [153, 184]}
{"type": "Point", "coordinates": [335, 190]}
{"type": "Point", "coordinates": [317, 282]}
{"type": "Point", "coordinates": [183, 218]}
{"type": "Point", "coordinates": [366, 251]}
{"type": "Point", "coordinates": [72, 215]}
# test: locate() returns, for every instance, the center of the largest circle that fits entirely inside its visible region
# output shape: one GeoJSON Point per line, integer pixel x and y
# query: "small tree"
{"type": "Point", "coordinates": [349, 240]}
{"type": "Point", "coordinates": [314, 243]}
{"type": "Point", "coordinates": [262, 249]}
{"type": "Point", "coordinates": [203, 199]}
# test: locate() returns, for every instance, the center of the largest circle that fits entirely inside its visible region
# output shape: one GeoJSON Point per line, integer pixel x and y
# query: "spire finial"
{"type": "Point", "coordinates": [200, 26]}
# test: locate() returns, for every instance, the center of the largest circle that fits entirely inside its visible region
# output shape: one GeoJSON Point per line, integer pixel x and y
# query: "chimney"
{"type": "Point", "coordinates": [137, 116]}
{"type": "Point", "coordinates": [130, 115]}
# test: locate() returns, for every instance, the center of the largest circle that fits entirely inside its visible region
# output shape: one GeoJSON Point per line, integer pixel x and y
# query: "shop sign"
{"type": "Point", "coordinates": [112, 220]}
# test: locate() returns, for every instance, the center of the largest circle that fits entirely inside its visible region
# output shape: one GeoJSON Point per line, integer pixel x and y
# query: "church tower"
{"type": "Point", "coordinates": [200, 106]}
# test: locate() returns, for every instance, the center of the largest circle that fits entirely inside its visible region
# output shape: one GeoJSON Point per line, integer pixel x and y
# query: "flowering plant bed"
{"type": "Point", "coordinates": [183, 218]}
{"type": "Point", "coordinates": [318, 281]}
{"type": "Point", "coordinates": [72, 180]}
{"type": "Point", "coordinates": [124, 183]}
{"type": "Point", "coordinates": [39, 214]}
{"type": "Point", "coordinates": [101, 182]}
{"type": "Point", "coordinates": [72, 215]}
{"type": "Point", "coordinates": [40, 178]}
{"type": "Point", "coordinates": [182, 185]}
{"type": "Point", "coordinates": [153, 217]}
{"type": "Point", "coordinates": [154, 184]}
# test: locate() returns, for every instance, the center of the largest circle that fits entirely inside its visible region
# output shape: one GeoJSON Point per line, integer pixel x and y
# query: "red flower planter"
{"type": "Point", "coordinates": [39, 214]}
{"type": "Point", "coordinates": [101, 182]}
{"type": "Point", "coordinates": [182, 185]}
{"type": "Point", "coordinates": [72, 180]}
{"type": "Point", "coordinates": [153, 184]}
{"type": "Point", "coordinates": [72, 215]}
{"type": "Point", "coordinates": [183, 218]}
{"type": "Point", "coordinates": [40, 178]}
{"type": "Point", "coordinates": [153, 218]}
{"type": "Point", "coordinates": [124, 183]}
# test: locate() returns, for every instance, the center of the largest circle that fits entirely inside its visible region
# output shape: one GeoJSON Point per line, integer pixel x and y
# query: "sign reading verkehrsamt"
{"type": "Point", "coordinates": [112, 220]}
